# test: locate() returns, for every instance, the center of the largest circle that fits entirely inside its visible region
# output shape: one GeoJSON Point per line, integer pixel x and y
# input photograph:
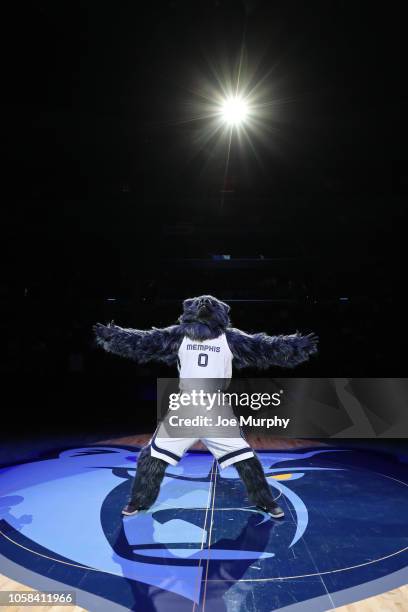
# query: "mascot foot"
{"type": "Point", "coordinates": [274, 511]}
{"type": "Point", "coordinates": [131, 509]}
{"type": "Point", "coordinates": [146, 485]}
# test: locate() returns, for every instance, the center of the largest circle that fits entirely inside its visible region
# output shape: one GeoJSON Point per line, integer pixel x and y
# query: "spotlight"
{"type": "Point", "coordinates": [234, 110]}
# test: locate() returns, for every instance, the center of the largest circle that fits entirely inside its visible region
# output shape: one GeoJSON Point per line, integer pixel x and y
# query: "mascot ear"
{"type": "Point", "coordinates": [187, 303]}
{"type": "Point", "coordinates": [227, 308]}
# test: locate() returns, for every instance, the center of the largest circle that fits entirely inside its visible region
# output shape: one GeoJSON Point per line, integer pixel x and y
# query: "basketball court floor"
{"type": "Point", "coordinates": [343, 543]}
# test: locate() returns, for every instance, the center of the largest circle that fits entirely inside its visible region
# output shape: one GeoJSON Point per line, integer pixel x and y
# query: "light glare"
{"type": "Point", "coordinates": [234, 110]}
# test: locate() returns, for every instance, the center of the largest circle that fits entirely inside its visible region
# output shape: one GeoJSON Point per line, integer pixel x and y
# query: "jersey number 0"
{"type": "Point", "coordinates": [203, 360]}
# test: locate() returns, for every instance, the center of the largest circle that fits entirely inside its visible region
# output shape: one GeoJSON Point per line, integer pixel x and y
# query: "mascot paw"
{"type": "Point", "coordinates": [103, 333]}
{"type": "Point", "coordinates": [274, 511]}
{"type": "Point", "coordinates": [313, 342]}
{"type": "Point", "coordinates": [131, 510]}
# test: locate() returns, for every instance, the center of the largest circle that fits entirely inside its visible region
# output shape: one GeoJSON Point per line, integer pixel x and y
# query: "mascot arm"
{"type": "Point", "coordinates": [261, 351]}
{"type": "Point", "coordinates": [140, 345]}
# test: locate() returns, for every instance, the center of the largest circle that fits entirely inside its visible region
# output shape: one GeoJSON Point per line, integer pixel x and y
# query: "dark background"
{"type": "Point", "coordinates": [114, 207]}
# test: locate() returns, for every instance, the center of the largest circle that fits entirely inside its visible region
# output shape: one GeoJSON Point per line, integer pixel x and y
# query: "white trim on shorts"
{"type": "Point", "coordinates": [226, 451]}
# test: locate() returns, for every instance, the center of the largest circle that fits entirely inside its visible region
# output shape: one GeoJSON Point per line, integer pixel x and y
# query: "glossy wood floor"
{"type": "Point", "coordinates": [255, 440]}
{"type": "Point", "coordinates": [341, 540]}
{"type": "Point", "coordinates": [392, 601]}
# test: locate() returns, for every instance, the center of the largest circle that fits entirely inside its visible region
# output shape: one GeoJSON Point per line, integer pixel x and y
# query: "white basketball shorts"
{"type": "Point", "coordinates": [226, 451]}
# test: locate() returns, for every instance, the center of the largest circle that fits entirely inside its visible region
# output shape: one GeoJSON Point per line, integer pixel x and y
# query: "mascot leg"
{"type": "Point", "coordinates": [146, 484]}
{"type": "Point", "coordinates": [253, 477]}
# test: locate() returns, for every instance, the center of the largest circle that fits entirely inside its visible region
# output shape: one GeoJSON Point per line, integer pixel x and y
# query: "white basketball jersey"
{"type": "Point", "coordinates": [207, 359]}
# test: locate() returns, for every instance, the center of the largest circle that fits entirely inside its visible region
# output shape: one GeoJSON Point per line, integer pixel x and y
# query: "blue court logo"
{"type": "Point", "coordinates": [64, 512]}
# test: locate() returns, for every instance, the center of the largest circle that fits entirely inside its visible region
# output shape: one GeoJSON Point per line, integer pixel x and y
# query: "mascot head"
{"type": "Point", "coordinates": [204, 317]}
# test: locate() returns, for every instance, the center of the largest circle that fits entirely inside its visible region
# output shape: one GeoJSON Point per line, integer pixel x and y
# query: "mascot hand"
{"type": "Point", "coordinates": [312, 342]}
{"type": "Point", "coordinates": [103, 333]}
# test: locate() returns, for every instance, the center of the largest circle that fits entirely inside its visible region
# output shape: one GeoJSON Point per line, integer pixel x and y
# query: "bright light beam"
{"type": "Point", "coordinates": [234, 111]}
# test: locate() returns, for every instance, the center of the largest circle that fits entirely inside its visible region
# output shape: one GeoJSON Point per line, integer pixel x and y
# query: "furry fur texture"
{"type": "Point", "coordinates": [253, 477]}
{"type": "Point", "coordinates": [142, 346]}
{"type": "Point", "coordinates": [151, 470]}
{"type": "Point", "coordinates": [204, 318]}
{"type": "Point", "coordinates": [149, 476]}
{"type": "Point", "coordinates": [261, 351]}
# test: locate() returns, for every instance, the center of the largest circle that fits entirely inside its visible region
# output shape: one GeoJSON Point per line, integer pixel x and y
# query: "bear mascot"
{"type": "Point", "coordinates": [203, 339]}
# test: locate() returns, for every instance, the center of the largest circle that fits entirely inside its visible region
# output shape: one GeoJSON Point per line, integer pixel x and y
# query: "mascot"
{"type": "Point", "coordinates": [203, 345]}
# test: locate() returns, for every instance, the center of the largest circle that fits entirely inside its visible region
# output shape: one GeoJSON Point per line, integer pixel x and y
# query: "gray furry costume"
{"type": "Point", "coordinates": [204, 318]}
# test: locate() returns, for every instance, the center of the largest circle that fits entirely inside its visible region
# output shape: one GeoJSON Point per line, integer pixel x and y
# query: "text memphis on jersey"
{"type": "Point", "coordinates": [203, 347]}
